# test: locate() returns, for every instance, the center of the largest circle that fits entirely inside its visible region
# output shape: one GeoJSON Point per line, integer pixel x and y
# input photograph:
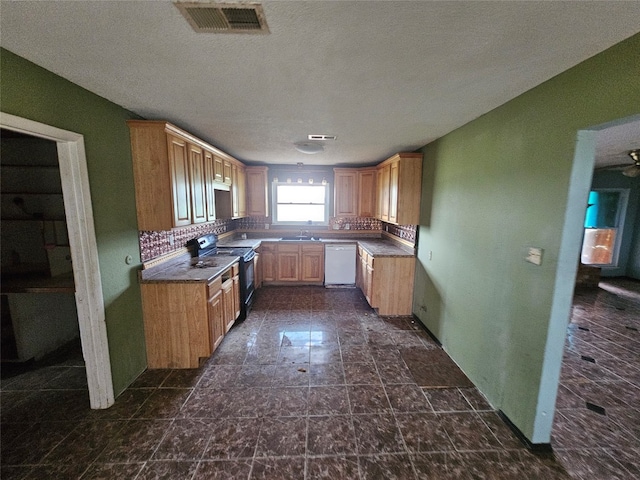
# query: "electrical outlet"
{"type": "Point", "coordinates": [534, 255]}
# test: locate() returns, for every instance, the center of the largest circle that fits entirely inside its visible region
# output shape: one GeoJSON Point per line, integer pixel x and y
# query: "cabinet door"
{"type": "Point", "coordinates": [218, 169]}
{"type": "Point", "coordinates": [368, 285]}
{"type": "Point", "coordinates": [180, 186]}
{"type": "Point", "coordinates": [288, 263]}
{"type": "Point", "coordinates": [312, 260]}
{"type": "Point", "coordinates": [346, 192]}
{"type": "Point", "coordinates": [216, 320]}
{"type": "Point", "coordinates": [196, 174]}
{"type": "Point", "coordinates": [393, 192]}
{"type": "Point", "coordinates": [236, 290]}
{"type": "Point", "coordinates": [367, 187]}
{"type": "Point", "coordinates": [257, 192]}
{"type": "Point", "coordinates": [383, 193]}
{"type": "Point", "coordinates": [240, 183]}
{"type": "Point", "coordinates": [228, 304]}
{"type": "Point", "coordinates": [226, 172]}
{"type": "Point", "coordinates": [209, 180]}
{"type": "Point", "coordinates": [268, 262]}
{"type": "Point", "coordinates": [257, 271]}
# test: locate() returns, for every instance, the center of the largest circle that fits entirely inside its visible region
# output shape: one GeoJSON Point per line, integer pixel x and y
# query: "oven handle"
{"type": "Point", "coordinates": [249, 256]}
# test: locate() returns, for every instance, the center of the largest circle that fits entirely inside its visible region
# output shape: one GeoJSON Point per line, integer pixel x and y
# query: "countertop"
{"type": "Point", "coordinates": [183, 268]}
{"type": "Point", "coordinates": [188, 269]}
{"type": "Point", "coordinates": [378, 247]}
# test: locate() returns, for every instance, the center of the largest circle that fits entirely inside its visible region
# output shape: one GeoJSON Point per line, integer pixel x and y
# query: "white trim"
{"type": "Point", "coordinates": [84, 252]}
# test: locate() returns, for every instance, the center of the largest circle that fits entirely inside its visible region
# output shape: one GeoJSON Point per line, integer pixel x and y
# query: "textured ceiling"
{"type": "Point", "coordinates": [383, 76]}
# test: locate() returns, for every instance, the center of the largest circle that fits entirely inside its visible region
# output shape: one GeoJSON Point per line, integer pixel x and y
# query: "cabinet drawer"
{"type": "Point", "coordinates": [312, 248]}
{"type": "Point", "coordinates": [214, 287]}
{"type": "Point", "coordinates": [288, 248]}
{"type": "Point", "coordinates": [268, 247]}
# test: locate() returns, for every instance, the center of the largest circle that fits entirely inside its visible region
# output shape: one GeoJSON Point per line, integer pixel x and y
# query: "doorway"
{"type": "Point", "coordinates": [89, 301]}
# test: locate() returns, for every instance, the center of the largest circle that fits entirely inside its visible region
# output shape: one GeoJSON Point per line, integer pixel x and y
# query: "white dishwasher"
{"type": "Point", "coordinates": [339, 264]}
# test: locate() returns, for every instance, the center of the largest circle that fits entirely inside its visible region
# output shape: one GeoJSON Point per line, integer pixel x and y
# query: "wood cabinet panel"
{"type": "Point", "coordinates": [209, 180]}
{"type": "Point", "coordinates": [399, 189]}
{"type": "Point", "coordinates": [257, 192]}
{"type": "Point", "coordinates": [180, 186]}
{"type": "Point", "coordinates": [367, 192]}
{"type": "Point", "coordinates": [381, 285]}
{"type": "Point", "coordinates": [216, 319]}
{"type": "Point", "coordinates": [218, 169]}
{"type": "Point", "coordinates": [312, 263]}
{"type": "Point", "coordinates": [227, 176]}
{"type": "Point", "coordinates": [268, 261]}
{"type": "Point", "coordinates": [228, 304]}
{"type": "Point", "coordinates": [345, 192]}
{"type": "Point", "coordinates": [238, 191]}
{"type": "Point", "coordinates": [197, 185]}
{"type": "Point", "coordinates": [176, 324]}
{"type": "Point", "coordinates": [288, 258]}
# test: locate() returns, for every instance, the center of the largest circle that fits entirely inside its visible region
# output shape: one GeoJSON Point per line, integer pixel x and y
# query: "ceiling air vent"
{"type": "Point", "coordinates": [321, 137]}
{"type": "Point", "coordinates": [225, 17]}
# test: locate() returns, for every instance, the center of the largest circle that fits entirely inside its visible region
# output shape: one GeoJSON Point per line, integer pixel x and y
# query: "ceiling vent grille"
{"type": "Point", "coordinates": [321, 137]}
{"type": "Point", "coordinates": [225, 17]}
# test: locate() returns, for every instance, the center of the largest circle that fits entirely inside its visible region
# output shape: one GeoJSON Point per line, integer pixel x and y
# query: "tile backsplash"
{"type": "Point", "coordinates": [156, 243]}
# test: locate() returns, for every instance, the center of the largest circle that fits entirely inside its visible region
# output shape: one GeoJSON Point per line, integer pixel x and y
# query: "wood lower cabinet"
{"type": "Point", "coordinates": [288, 258]}
{"type": "Point", "coordinates": [312, 263]}
{"type": "Point", "coordinates": [216, 314]}
{"type": "Point", "coordinates": [186, 321]}
{"type": "Point", "coordinates": [292, 263]}
{"type": "Point", "coordinates": [176, 324]}
{"type": "Point", "coordinates": [268, 252]}
{"type": "Point", "coordinates": [387, 283]}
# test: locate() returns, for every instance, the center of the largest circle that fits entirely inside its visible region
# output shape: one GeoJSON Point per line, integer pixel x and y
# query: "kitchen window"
{"type": "Point", "coordinates": [603, 227]}
{"type": "Point", "coordinates": [300, 203]}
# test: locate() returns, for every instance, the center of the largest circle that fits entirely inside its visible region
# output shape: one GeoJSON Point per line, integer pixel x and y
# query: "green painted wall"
{"type": "Point", "coordinates": [29, 91]}
{"type": "Point", "coordinates": [490, 189]}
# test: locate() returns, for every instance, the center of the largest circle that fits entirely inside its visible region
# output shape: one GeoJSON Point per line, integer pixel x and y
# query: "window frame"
{"type": "Point", "coordinates": [274, 198]}
{"type": "Point", "coordinates": [623, 201]}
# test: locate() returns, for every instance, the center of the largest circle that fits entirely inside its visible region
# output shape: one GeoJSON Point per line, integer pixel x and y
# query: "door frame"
{"type": "Point", "coordinates": [84, 252]}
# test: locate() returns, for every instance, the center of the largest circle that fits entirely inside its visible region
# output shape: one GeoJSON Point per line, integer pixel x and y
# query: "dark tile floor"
{"type": "Point", "coordinates": [315, 385]}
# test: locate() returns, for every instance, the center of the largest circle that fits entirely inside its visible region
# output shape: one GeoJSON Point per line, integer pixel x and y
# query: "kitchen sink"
{"type": "Point", "coordinates": [301, 238]}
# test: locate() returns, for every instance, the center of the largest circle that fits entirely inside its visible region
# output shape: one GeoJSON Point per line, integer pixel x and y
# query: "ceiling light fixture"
{"type": "Point", "coordinates": [633, 170]}
{"type": "Point", "coordinates": [309, 148]}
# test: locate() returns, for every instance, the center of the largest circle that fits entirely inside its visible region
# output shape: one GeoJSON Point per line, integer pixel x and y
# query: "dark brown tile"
{"type": "Point", "coordinates": [325, 354]}
{"type": "Point", "coordinates": [501, 431]}
{"type": "Point", "coordinates": [161, 470]}
{"type": "Point", "coordinates": [186, 439]}
{"type": "Point", "coordinates": [331, 435]}
{"type": "Point", "coordinates": [368, 399]}
{"type": "Point", "coordinates": [326, 374]}
{"type": "Point", "coordinates": [233, 438]}
{"type": "Point", "coordinates": [255, 376]}
{"type": "Point", "coordinates": [467, 431]}
{"type": "Point", "coordinates": [207, 403]}
{"type": "Point", "coordinates": [63, 471]}
{"type": "Point", "coordinates": [423, 432]}
{"type": "Point", "coordinates": [223, 470]}
{"type": "Point", "coordinates": [37, 441]}
{"type": "Point", "coordinates": [282, 436]}
{"type": "Point", "coordinates": [278, 468]}
{"type": "Point", "coordinates": [135, 442]}
{"type": "Point", "coordinates": [291, 376]}
{"type": "Point", "coordinates": [394, 372]}
{"type": "Point", "coordinates": [333, 468]}
{"type": "Point", "coordinates": [441, 466]}
{"type": "Point", "coordinates": [361, 374]}
{"type": "Point", "coordinates": [377, 434]}
{"type": "Point", "coordinates": [294, 356]}
{"type": "Point", "coordinates": [109, 471]}
{"type": "Point", "coordinates": [183, 378]}
{"type": "Point", "coordinates": [287, 401]}
{"type": "Point", "coordinates": [587, 464]}
{"type": "Point", "coordinates": [447, 400]}
{"type": "Point", "coordinates": [85, 442]}
{"type": "Point", "coordinates": [151, 378]}
{"type": "Point", "coordinates": [407, 398]}
{"type": "Point", "coordinates": [220, 376]}
{"type": "Point", "coordinates": [328, 400]}
{"type": "Point", "coordinates": [163, 403]}
{"type": "Point", "coordinates": [393, 467]}
{"type": "Point", "coordinates": [356, 353]}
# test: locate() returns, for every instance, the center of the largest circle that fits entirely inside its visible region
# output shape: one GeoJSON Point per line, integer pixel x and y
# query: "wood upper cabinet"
{"type": "Point", "coordinates": [197, 184]}
{"type": "Point", "coordinates": [179, 180]}
{"type": "Point", "coordinates": [257, 192]}
{"type": "Point", "coordinates": [174, 177]}
{"type": "Point", "coordinates": [227, 176]}
{"type": "Point", "coordinates": [218, 169]}
{"type": "Point", "coordinates": [238, 191]}
{"type": "Point", "coordinates": [345, 192]}
{"type": "Point", "coordinates": [209, 180]}
{"type": "Point", "coordinates": [312, 262]}
{"type": "Point", "coordinates": [367, 189]}
{"type": "Point", "coordinates": [384, 173]}
{"type": "Point", "coordinates": [400, 188]}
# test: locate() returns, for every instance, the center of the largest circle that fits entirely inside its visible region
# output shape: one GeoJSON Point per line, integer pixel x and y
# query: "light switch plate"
{"type": "Point", "coordinates": [534, 255]}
